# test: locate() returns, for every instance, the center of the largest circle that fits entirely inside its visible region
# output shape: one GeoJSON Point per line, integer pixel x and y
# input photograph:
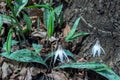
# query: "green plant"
{"type": "Point", "coordinates": [9, 40]}
{"type": "Point", "coordinates": [16, 9]}
{"type": "Point", "coordinates": [12, 19]}
{"type": "Point", "coordinates": [98, 67]}
{"type": "Point", "coordinates": [24, 55]}
{"type": "Point", "coordinates": [50, 16]}
{"type": "Point", "coordinates": [71, 36]}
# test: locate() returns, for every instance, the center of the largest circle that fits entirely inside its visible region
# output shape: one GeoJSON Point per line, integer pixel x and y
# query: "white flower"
{"type": "Point", "coordinates": [97, 49]}
{"type": "Point", "coordinates": [62, 55]}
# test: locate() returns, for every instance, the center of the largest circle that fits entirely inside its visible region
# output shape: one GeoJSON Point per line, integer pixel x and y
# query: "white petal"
{"type": "Point", "coordinates": [94, 50]}
{"type": "Point", "coordinates": [56, 54]}
{"type": "Point", "coordinates": [103, 50]}
{"type": "Point", "coordinates": [66, 57]}
{"type": "Point", "coordinates": [99, 52]}
{"type": "Point", "coordinates": [61, 56]}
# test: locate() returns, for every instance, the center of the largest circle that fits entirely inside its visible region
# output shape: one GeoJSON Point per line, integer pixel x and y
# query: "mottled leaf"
{"type": "Point", "coordinates": [40, 6]}
{"type": "Point", "coordinates": [37, 47]}
{"type": "Point", "coordinates": [100, 68]}
{"type": "Point", "coordinates": [14, 42]}
{"type": "Point", "coordinates": [24, 55]}
{"type": "Point", "coordinates": [19, 5]}
{"type": "Point", "coordinates": [46, 15]}
{"type": "Point", "coordinates": [80, 34]}
{"type": "Point", "coordinates": [69, 36]}
{"type": "Point", "coordinates": [6, 19]}
{"type": "Point", "coordinates": [28, 21]}
{"type": "Point", "coordinates": [58, 10]}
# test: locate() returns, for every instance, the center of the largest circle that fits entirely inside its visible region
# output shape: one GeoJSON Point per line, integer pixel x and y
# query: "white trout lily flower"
{"type": "Point", "coordinates": [62, 55]}
{"type": "Point", "coordinates": [97, 49]}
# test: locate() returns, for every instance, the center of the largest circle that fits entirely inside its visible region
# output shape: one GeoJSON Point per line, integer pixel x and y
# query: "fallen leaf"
{"type": "Point", "coordinates": [28, 75]}
{"type": "Point", "coordinates": [21, 78]}
{"type": "Point", "coordinates": [66, 30]}
{"type": "Point", "coordinates": [23, 71]}
{"type": "Point", "coordinates": [39, 34]}
{"type": "Point", "coordinates": [15, 74]}
{"type": "Point", "coordinates": [6, 71]}
{"type": "Point", "coordinates": [51, 39]}
{"type": "Point", "coordinates": [57, 76]}
{"type": "Point", "coordinates": [81, 60]}
{"type": "Point", "coordinates": [34, 71]}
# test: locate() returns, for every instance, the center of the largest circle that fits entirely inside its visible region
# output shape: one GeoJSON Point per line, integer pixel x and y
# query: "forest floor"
{"type": "Point", "coordinates": [17, 70]}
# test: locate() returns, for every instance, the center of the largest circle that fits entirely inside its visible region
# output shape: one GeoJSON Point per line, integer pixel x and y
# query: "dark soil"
{"type": "Point", "coordinates": [102, 20]}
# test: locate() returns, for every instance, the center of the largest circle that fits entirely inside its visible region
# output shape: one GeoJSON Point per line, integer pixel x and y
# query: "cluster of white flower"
{"type": "Point", "coordinates": [96, 49]}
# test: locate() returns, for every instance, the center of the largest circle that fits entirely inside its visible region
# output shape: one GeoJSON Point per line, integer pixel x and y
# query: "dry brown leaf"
{"type": "Point", "coordinates": [15, 74]}
{"type": "Point", "coordinates": [51, 39]}
{"type": "Point", "coordinates": [21, 77]}
{"type": "Point", "coordinates": [57, 76]}
{"type": "Point", "coordinates": [81, 60]}
{"type": "Point", "coordinates": [39, 34]}
{"type": "Point", "coordinates": [29, 75]}
{"type": "Point", "coordinates": [78, 78]}
{"type": "Point", "coordinates": [34, 71]}
{"type": "Point", "coordinates": [23, 71]}
{"type": "Point", "coordinates": [66, 30]}
{"type": "Point", "coordinates": [34, 13]}
{"type": "Point", "coordinates": [6, 70]}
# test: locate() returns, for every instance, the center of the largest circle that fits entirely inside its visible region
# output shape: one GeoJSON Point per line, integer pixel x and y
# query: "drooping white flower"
{"type": "Point", "coordinates": [97, 49]}
{"type": "Point", "coordinates": [61, 54]}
